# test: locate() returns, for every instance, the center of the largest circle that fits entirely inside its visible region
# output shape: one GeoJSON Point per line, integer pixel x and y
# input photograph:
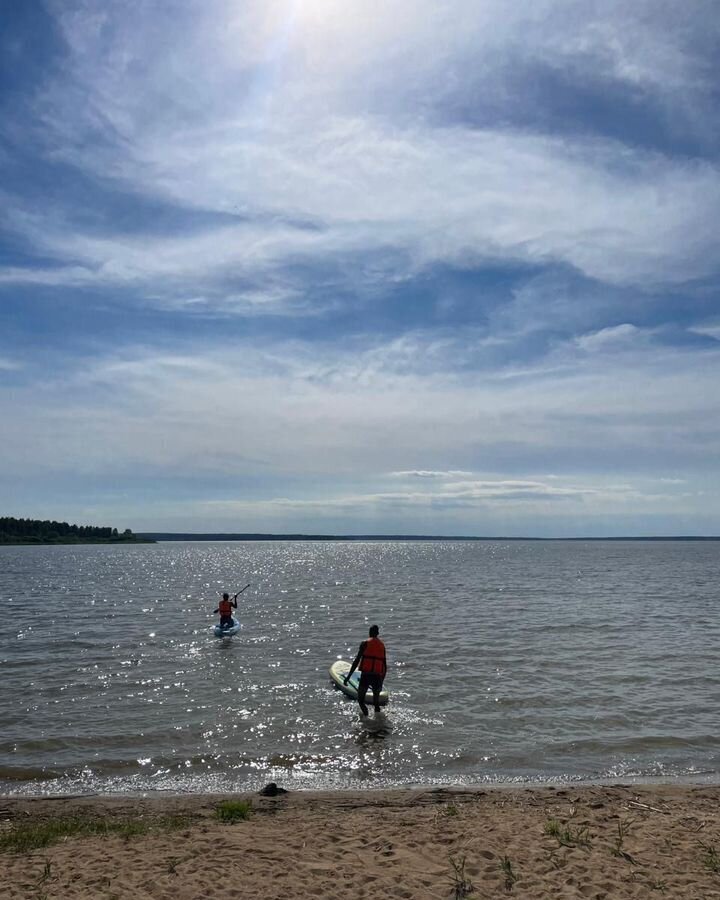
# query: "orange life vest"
{"type": "Point", "coordinates": [373, 658]}
{"type": "Point", "coordinates": [225, 608]}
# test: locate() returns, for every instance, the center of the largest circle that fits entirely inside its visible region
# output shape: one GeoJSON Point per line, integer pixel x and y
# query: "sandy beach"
{"type": "Point", "coordinates": [586, 842]}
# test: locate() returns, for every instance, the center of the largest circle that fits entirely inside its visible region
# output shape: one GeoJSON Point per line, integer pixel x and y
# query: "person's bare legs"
{"type": "Point", "coordinates": [362, 691]}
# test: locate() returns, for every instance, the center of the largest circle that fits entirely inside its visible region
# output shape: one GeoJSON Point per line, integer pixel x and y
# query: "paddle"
{"type": "Point", "coordinates": [239, 592]}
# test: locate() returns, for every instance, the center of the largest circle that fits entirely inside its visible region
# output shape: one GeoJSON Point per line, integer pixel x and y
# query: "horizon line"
{"type": "Point", "coordinates": [300, 536]}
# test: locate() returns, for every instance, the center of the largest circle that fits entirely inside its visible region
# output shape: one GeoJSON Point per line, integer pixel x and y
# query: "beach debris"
{"type": "Point", "coordinates": [271, 790]}
{"type": "Point", "coordinates": [638, 805]}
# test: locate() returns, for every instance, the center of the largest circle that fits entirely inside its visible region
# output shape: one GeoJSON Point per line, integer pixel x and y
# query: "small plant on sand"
{"type": "Point", "coordinates": [231, 811]}
{"type": "Point", "coordinates": [448, 811]}
{"type": "Point", "coordinates": [711, 859]}
{"type": "Point", "coordinates": [567, 836]}
{"type": "Point", "coordinates": [508, 872]}
{"type": "Point", "coordinates": [623, 828]}
{"type": "Point", "coordinates": [47, 872]}
{"type": "Point", "coordinates": [131, 828]}
{"type": "Point", "coordinates": [462, 886]}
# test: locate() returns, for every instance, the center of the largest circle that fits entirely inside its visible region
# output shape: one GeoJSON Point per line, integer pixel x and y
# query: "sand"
{"type": "Point", "coordinates": [611, 842]}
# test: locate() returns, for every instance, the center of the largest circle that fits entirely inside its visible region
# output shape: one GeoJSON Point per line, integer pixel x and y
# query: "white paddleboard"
{"type": "Point", "coordinates": [338, 671]}
{"type": "Point", "coordinates": [227, 632]}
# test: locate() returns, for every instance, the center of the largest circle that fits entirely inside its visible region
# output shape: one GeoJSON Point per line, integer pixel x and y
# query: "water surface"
{"type": "Point", "coordinates": [510, 662]}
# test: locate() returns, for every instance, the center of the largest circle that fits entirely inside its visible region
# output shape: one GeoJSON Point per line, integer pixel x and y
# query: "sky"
{"type": "Point", "coordinates": [396, 267]}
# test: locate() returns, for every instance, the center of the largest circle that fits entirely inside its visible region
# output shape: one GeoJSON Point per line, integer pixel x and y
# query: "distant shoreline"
{"type": "Point", "coordinates": [30, 543]}
{"type": "Point", "coordinates": [29, 532]}
{"type": "Point", "coordinates": [219, 536]}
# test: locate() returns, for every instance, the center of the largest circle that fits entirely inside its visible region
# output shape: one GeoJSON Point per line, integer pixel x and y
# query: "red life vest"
{"type": "Point", "coordinates": [373, 658]}
{"type": "Point", "coordinates": [225, 608]}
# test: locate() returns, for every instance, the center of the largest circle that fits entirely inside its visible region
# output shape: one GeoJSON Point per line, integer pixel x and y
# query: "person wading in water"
{"type": "Point", "coordinates": [372, 661]}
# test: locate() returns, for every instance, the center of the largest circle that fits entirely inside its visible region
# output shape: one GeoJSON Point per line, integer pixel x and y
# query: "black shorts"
{"type": "Point", "coordinates": [370, 680]}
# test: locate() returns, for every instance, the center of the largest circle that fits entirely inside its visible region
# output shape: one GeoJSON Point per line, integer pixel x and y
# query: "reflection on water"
{"type": "Point", "coordinates": [508, 661]}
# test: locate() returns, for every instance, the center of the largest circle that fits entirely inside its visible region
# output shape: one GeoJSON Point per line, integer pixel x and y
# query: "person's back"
{"type": "Point", "coordinates": [225, 608]}
{"type": "Point", "coordinates": [373, 657]}
{"type": "Point", "coordinates": [372, 661]}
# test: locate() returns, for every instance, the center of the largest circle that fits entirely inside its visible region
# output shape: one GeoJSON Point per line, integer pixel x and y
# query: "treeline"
{"type": "Point", "coordinates": [36, 531]}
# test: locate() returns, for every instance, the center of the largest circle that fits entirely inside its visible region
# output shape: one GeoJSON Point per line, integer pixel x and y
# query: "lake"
{"type": "Point", "coordinates": [517, 662]}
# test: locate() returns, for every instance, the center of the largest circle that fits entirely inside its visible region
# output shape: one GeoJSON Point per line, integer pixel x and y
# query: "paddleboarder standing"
{"type": "Point", "coordinates": [372, 660]}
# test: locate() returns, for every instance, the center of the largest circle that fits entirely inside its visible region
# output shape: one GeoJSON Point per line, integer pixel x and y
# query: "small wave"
{"type": "Point", "coordinates": [640, 744]}
{"type": "Point", "coordinates": [29, 773]}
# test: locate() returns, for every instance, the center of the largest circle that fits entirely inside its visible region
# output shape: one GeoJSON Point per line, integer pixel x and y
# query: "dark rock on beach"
{"type": "Point", "coordinates": [271, 790]}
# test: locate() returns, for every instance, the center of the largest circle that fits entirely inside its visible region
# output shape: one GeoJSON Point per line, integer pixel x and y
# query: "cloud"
{"type": "Point", "coordinates": [291, 409]}
{"type": "Point", "coordinates": [478, 494]}
{"type": "Point", "coordinates": [273, 53]}
{"type": "Point", "coordinates": [446, 196]}
{"type": "Point", "coordinates": [475, 507]}
{"type": "Point", "coordinates": [424, 473]}
{"type": "Point", "coordinates": [616, 335]}
{"type": "Point", "coordinates": [709, 329]}
{"type": "Point", "coordinates": [511, 490]}
{"type": "Point", "coordinates": [275, 127]}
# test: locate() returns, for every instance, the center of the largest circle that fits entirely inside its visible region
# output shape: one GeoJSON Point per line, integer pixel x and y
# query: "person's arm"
{"type": "Point", "coordinates": [234, 601]}
{"type": "Point", "coordinates": [216, 610]}
{"type": "Point", "coordinates": [356, 662]}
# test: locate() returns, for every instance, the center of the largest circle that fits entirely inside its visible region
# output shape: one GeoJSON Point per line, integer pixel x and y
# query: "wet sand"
{"type": "Point", "coordinates": [574, 842]}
